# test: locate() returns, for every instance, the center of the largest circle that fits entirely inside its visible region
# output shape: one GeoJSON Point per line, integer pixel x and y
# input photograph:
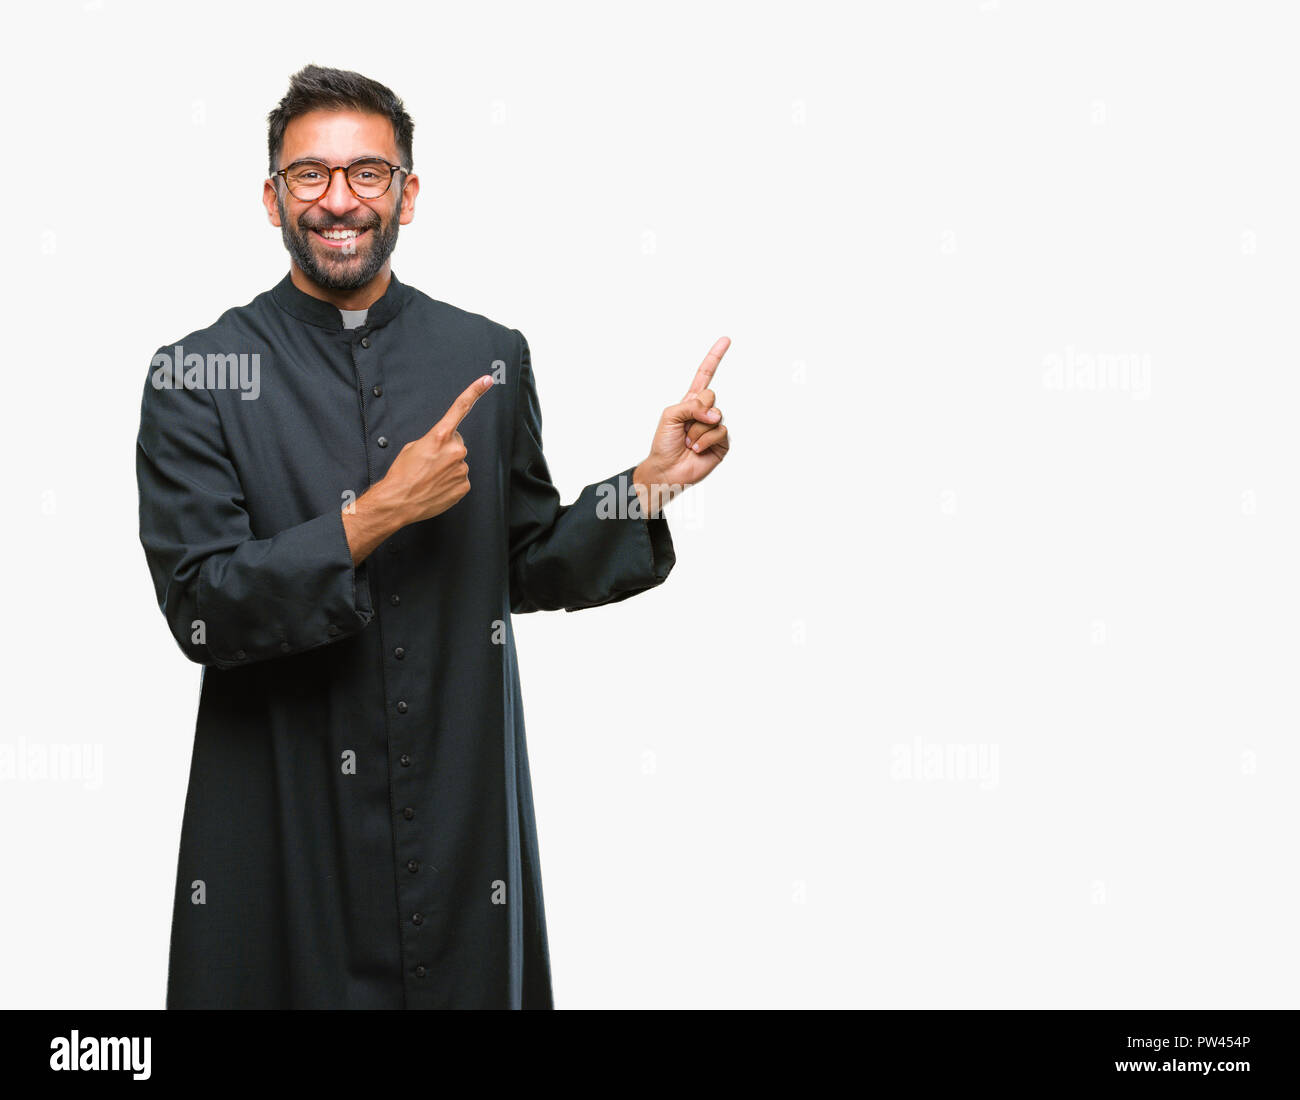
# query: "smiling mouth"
{"type": "Point", "coordinates": [340, 238]}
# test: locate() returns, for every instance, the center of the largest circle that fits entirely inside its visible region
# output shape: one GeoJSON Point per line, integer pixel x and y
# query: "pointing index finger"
{"type": "Point", "coordinates": [461, 406]}
{"type": "Point", "coordinates": [710, 364]}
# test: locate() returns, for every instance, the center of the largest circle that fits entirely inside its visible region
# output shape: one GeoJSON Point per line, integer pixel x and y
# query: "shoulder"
{"type": "Point", "coordinates": [460, 322]}
{"type": "Point", "coordinates": [224, 331]}
{"type": "Point", "coordinates": [177, 380]}
{"type": "Point", "coordinates": [471, 337]}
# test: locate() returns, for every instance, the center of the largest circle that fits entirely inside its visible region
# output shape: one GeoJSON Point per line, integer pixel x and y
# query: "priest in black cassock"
{"type": "Point", "coordinates": [343, 498]}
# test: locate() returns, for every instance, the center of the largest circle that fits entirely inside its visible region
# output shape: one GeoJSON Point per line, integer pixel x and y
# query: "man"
{"type": "Point", "coordinates": [358, 828]}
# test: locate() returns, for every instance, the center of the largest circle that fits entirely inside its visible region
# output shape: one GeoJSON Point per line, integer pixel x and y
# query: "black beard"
{"type": "Point", "coordinates": [359, 268]}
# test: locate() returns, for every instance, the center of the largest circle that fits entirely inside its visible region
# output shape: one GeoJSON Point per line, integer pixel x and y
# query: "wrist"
{"type": "Point", "coordinates": [382, 508]}
{"type": "Point", "coordinates": [651, 489]}
{"type": "Point", "coordinates": [370, 520]}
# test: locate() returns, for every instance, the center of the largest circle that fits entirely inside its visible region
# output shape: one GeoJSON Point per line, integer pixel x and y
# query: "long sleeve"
{"type": "Point", "coordinates": [597, 550]}
{"type": "Point", "coordinates": [229, 598]}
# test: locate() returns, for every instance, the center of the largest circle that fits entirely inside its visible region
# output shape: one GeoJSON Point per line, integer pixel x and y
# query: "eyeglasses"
{"type": "Point", "coordinates": [308, 180]}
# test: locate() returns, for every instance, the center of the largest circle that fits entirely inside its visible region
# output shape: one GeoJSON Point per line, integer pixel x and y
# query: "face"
{"type": "Point", "coordinates": [348, 262]}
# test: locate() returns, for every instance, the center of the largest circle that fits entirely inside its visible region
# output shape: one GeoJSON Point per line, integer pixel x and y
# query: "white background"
{"type": "Point", "coordinates": [899, 213]}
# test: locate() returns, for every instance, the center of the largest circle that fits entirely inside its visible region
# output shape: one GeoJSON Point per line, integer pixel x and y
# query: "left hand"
{"type": "Point", "coordinates": [690, 440]}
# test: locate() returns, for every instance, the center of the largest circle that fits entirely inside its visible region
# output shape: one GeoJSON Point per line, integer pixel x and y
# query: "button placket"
{"type": "Point", "coordinates": [402, 749]}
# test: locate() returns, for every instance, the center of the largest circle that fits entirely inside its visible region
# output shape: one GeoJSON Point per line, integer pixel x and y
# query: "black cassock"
{"type": "Point", "coordinates": [358, 827]}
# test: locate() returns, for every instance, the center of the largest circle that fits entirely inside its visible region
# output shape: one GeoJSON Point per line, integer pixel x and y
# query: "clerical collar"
{"type": "Point", "coordinates": [323, 314]}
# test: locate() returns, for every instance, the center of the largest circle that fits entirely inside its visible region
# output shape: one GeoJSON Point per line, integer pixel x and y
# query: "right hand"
{"type": "Point", "coordinates": [430, 474]}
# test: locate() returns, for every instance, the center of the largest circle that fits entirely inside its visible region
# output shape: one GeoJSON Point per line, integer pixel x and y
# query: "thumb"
{"type": "Point", "coordinates": [692, 408]}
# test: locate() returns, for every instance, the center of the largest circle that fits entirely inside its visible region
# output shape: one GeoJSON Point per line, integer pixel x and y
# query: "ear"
{"type": "Point", "coordinates": [268, 200]}
{"type": "Point", "coordinates": [409, 191]}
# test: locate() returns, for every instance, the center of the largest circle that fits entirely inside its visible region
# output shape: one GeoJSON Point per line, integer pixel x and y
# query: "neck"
{"type": "Point", "coordinates": [361, 298]}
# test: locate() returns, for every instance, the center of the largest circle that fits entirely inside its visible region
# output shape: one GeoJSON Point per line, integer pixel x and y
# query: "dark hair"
{"type": "Point", "coordinates": [313, 88]}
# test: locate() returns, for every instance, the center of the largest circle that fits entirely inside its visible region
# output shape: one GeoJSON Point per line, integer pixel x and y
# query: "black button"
{"type": "Point", "coordinates": [333, 629]}
{"type": "Point", "coordinates": [417, 918]}
{"type": "Point", "coordinates": [240, 655]}
{"type": "Point", "coordinates": [382, 441]}
{"type": "Point", "coordinates": [404, 760]}
{"type": "Point", "coordinates": [408, 813]}
{"type": "Point", "coordinates": [285, 647]}
{"type": "Point", "coordinates": [420, 972]}
{"type": "Point", "coordinates": [394, 600]}
{"type": "Point", "coordinates": [378, 391]}
{"type": "Point", "coordinates": [365, 341]}
{"type": "Point", "coordinates": [412, 866]}
{"type": "Point", "coordinates": [402, 708]}
{"type": "Point", "coordinates": [399, 653]}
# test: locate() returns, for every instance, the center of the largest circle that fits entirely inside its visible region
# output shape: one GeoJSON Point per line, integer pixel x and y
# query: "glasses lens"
{"type": "Point", "coordinates": [370, 178]}
{"type": "Point", "coordinates": [308, 180]}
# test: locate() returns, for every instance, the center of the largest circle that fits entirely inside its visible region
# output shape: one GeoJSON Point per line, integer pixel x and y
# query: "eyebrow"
{"type": "Point", "coordinates": [325, 160]}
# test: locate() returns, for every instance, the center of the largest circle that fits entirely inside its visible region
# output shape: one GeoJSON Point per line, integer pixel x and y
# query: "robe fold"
{"type": "Point", "coordinates": [358, 828]}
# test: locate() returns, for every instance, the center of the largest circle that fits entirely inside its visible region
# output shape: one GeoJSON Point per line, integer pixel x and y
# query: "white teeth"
{"type": "Point", "coordinates": [337, 234]}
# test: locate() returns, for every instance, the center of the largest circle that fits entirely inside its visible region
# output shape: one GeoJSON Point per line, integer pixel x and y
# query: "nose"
{"type": "Point", "coordinates": [338, 198]}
